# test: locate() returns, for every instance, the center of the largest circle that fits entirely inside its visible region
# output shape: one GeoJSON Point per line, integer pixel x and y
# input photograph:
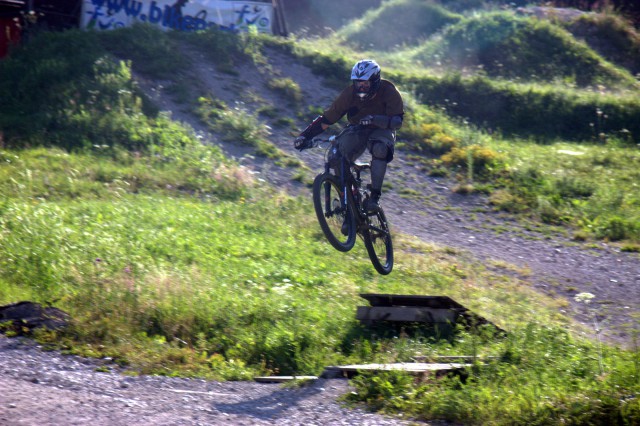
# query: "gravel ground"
{"type": "Point", "coordinates": [46, 388]}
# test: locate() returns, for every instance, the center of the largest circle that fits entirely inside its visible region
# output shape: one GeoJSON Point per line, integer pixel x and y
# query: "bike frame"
{"type": "Point", "coordinates": [372, 228]}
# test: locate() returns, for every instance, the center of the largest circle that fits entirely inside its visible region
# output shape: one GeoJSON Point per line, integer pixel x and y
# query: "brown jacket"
{"type": "Point", "coordinates": [387, 101]}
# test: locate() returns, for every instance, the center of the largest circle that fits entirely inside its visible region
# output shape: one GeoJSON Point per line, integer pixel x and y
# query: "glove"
{"type": "Point", "coordinates": [381, 121]}
{"type": "Point", "coordinates": [300, 143]}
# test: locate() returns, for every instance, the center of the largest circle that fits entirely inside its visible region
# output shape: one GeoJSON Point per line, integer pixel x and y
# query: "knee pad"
{"type": "Point", "coordinates": [379, 150]}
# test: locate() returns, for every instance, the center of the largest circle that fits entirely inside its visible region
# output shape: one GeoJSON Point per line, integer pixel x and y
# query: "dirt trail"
{"type": "Point", "coordinates": [48, 389]}
{"type": "Point", "coordinates": [553, 263]}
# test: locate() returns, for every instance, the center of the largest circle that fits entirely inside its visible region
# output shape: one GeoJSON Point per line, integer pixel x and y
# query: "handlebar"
{"type": "Point", "coordinates": [318, 142]}
{"type": "Point", "coordinates": [315, 142]}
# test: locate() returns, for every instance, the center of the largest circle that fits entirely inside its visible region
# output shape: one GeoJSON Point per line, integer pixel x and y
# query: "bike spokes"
{"type": "Point", "coordinates": [377, 239]}
{"type": "Point", "coordinates": [335, 219]}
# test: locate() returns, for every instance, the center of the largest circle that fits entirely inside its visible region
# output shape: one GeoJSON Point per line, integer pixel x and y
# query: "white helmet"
{"type": "Point", "coordinates": [366, 70]}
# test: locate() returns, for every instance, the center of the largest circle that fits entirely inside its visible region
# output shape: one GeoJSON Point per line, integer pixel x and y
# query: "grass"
{"type": "Point", "coordinates": [509, 391]}
{"type": "Point", "coordinates": [592, 187]}
{"type": "Point", "coordinates": [171, 260]}
{"type": "Point", "coordinates": [505, 46]}
{"type": "Point", "coordinates": [239, 126]}
{"type": "Point", "coordinates": [377, 28]}
{"type": "Point", "coordinates": [131, 268]}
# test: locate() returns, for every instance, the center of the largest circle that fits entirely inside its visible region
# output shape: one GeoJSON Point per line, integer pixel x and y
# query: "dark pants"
{"type": "Point", "coordinates": [379, 142]}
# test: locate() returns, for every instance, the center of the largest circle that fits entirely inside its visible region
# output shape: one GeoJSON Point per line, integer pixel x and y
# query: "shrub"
{"type": "Point", "coordinates": [506, 201]}
{"type": "Point", "coordinates": [481, 160]}
{"type": "Point", "coordinates": [568, 187]}
{"type": "Point", "coordinates": [150, 50]}
{"type": "Point", "coordinates": [287, 87]}
{"type": "Point", "coordinates": [223, 47]}
{"type": "Point", "coordinates": [41, 80]}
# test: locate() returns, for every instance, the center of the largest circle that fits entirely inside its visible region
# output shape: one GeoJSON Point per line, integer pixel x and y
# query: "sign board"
{"type": "Point", "coordinates": [181, 15]}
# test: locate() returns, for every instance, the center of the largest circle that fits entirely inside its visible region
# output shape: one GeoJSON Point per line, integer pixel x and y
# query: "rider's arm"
{"type": "Point", "coordinates": [393, 122]}
{"type": "Point", "coordinates": [395, 106]}
{"type": "Point", "coordinates": [319, 125]}
{"type": "Point", "coordinates": [332, 114]}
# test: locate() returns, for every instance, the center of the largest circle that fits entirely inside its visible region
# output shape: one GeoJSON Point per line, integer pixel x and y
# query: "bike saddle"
{"type": "Point", "coordinates": [361, 166]}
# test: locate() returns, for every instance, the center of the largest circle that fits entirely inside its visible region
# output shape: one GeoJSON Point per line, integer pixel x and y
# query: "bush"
{"type": "Point", "coordinates": [151, 51]}
{"type": "Point", "coordinates": [42, 80]}
{"type": "Point", "coordinates": [289, 88]}
{"type": "Point", "coordinates": [520, 110]}
{"type": "Point", "coordinates": [480, 159]}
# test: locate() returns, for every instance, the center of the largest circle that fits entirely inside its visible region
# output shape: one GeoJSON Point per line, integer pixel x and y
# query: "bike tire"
{"type": "Point", "coordinates": [332, 212]}
{"type": "Point", "coordinates": [377, 240]}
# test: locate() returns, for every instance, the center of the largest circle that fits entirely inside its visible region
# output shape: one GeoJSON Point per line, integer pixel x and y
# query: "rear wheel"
{"type": "Point", "coordinates": [377, 240]}
{"type": "Point", "coordinates": [336, 221]}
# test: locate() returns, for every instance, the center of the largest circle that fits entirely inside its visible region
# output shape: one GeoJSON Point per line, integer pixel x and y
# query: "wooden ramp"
{"type": "Point", "coordinates": [434, 310]}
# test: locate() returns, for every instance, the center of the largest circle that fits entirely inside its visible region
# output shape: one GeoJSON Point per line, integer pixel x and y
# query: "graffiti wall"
{"type": "Point", "coordinates": [182, 15]}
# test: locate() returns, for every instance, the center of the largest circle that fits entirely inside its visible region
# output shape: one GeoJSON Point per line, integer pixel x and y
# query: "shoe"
{"type": "Point", "coordinates": [345, 227]}
{"type": "Point", "coordinates": [372, 204]}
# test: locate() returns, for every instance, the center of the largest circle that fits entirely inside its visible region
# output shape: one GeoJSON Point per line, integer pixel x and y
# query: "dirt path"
{"type": "Point", "coordinates": [48, 389]}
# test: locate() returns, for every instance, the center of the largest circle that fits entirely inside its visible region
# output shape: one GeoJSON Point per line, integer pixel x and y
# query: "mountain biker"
{"type": "Point", "coordinates": [376, 106]}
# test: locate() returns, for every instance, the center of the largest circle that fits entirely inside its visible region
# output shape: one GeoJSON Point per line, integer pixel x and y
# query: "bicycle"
{"type": "Point", "coordinates": [339, 205]}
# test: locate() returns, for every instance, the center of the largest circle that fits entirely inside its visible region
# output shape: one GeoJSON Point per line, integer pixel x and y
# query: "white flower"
{"type": "Point", "coordinates": [584, 298]}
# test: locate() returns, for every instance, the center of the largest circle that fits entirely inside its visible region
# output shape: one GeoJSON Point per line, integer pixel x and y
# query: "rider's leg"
{"type": "Point", "coordinates": [352, 144]}
{"type": "Point", "coordinates": [379, 152]}
{"type": "Point", "coordinates": [381, 144]}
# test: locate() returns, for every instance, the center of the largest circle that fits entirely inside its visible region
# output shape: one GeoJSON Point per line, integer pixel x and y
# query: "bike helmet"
{"type": "Point", "coordinates": [365, 76]}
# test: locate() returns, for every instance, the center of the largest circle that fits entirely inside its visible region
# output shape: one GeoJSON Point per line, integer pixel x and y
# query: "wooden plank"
{"type": "Point", "coordinates": [410, 367]}
{"type": "Point", "coordinates": [406, 314]}
{"type": "Point", "coordinates": [452, 358]}
{"type": "Point", "coordinates": [438, 302]}
{"type": "Point", "coordinates": [281, 379]}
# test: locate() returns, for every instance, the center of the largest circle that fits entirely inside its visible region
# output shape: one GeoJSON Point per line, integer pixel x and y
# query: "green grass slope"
{"type": "Point", "coordinates": [506, 46]}
{"type": "Point", "coordinates": [396, 23]}
{"type": "Point", "coordinates": [612, 37]}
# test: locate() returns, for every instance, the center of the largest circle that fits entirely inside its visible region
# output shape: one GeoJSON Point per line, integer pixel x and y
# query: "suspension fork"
{"type": "Point", "coordinates": [344, 193]}
{"type": "Point", "coordinates": [343, 182]}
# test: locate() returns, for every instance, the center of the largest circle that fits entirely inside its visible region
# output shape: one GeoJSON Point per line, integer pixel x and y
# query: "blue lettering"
{"type": "Point", "coordinates": [200, 25]}
{"type": "Point", "coordinates": [134, 10]}
{"type": "Point", "coordinates": [155, 13]}
{"type": "Point", "coordinates": [95, 15]}
{"type": "Point", "coordinates": [114, 6]}
{"type": "Point", "coordinates": [172, 18]}
{"type": "Point", "coordinates": [167, 16]}
{"type": "Point", "coordinates": [105, 26]}
{"type": "Point", "coordinates": [244, 11]}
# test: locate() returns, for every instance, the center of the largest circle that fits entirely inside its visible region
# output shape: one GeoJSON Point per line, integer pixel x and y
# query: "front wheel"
{"type": "Point", "coordinates": [377, 240]}
{"type": "Point", "coordinates": [336, 220]}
